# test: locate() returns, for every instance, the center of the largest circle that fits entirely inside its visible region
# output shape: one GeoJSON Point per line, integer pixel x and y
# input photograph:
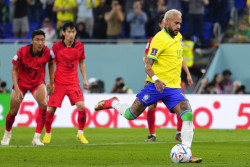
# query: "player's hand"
{"type": "Point", "coordinates": [50, 88]}
{"type": "Point", "coordinates": [85, 85]}
{"type": "Point", "coordinates": [159, 85]}
{"type": "Point", "coordinates": [190, 80]}
{"type": "Point", "coordinates": [19, 95]}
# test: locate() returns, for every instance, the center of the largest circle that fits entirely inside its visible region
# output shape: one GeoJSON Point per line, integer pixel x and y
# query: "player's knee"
{"type": "Point", "coordinates": [51, 110]}
{"type": "Point", "coordinates": [42, 105]}
{"type": "Point", "coordinates": [187, 116]}
{"type": "Point", "coordinates": [81, 108]}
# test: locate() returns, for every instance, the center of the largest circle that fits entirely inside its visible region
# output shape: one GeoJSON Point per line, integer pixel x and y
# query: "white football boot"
{"type": "Point", "coordinates": [6, 138]}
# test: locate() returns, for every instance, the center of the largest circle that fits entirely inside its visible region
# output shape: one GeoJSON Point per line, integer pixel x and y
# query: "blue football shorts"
{"type": "Point", "coordinates": [170, 96]}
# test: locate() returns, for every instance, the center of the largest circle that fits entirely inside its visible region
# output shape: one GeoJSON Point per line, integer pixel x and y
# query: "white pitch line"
{"type": "Point", "coordinates": [110, 144]}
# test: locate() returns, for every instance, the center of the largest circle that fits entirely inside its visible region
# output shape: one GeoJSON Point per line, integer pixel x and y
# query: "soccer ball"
{"type": "Point", "coordinates": [180, 154]}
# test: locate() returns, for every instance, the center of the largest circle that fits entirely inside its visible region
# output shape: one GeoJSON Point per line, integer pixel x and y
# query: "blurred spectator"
{"type": "Point", "coordinates": [114, 19]}
{"type": "Point", "coordinates": [174, 4]}
{"type": "Point", "coordinates": [218, 12]}
{"type": "Point", "coordinates": [4, 14]}
{"type": "Point", "coordinates": [214, 87]}
{"type": "Point", "coordinates": [160, 9]}
{"type": "Point", "coordinates": [95, 86]}
{"type": "Point", "coordinates": [236, 86]}
{"type": "Point", "coordinates": [188, 54]}
{"type": "Point", "coordinates": [34, 11]}
{"type": "Point", "coordinates": [20, 20]}
{"type": "Point", "coordinates": [243, 31]}
{"type": "Point", "coordinates": [226, 82]}
{"type": "Point", "coordinates": [196, 14]}
{"type": "Point", "coordinates": [3, 88]}
{"type": "Point", "coordinates": [85, 14]}
{"type": "Point", "coordinates": [100, 25]}
{"type": "Point", "coordinates": [81, 32]}
{"type": "Point", "coordinates": [137, 20]}
{"type": "Point", "coordinates": [48, 5]}
{"type": "Point", "coordinates": [248, 5]}
{"type": "Point", "coordinates": [65, 10]}
{"type": "Point", "coordinates": [241, 90]}
{"type": "Point", "coordinates": [119, 87]}
{"type": "Point", "coordinates": [50, 32]}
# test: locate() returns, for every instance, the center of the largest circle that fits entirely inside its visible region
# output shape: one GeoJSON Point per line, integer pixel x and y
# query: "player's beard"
{"type": "Point", "coordinates": [172, 32]}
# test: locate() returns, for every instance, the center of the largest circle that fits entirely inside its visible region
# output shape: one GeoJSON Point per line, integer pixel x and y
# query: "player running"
{"type": "Point", "coordinates": [69, 53]}
{"type": "Point", "coordinates": [163, 66]}
{"type": "Point", "coordinates": [28, 74]}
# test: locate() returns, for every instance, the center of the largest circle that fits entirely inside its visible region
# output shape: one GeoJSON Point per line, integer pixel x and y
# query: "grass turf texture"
{"type": "Point", "coordinates": [124, 147]}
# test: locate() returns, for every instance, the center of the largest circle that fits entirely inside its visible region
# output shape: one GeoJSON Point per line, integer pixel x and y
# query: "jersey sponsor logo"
{"type": "Point", "coordinates": [145, 98]}
{"type": "Point", "coordinates": [154, 52]}
{"type": "Point", "coordinates": [15, 57]}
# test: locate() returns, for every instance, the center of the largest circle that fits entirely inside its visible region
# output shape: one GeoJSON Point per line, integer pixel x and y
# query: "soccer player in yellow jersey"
{"type": "Point", "coordinates": [163, 66]}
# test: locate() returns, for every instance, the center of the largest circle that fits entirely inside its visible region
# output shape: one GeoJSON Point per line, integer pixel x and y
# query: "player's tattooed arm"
{"type": "Point", "coordinates": [148, 68]}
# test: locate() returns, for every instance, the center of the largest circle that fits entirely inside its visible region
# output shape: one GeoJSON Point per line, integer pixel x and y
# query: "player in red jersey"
{"type": "Point", "coordinates": [69, 53]}
{"type": "Point", "coordinates": [28, 74]}
{"type": "Point", "coordinates": [152, 108]}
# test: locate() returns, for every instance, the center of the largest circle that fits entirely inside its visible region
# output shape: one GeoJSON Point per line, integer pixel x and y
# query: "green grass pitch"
{"type": "Point", "coordinates": [124, 147]}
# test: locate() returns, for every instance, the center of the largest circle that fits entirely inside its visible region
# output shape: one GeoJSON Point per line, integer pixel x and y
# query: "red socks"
{"type": "Point", "coordinates": [9, 122]}
{"type": "Point", "coordinates": [179, 123]}
{"type": "Point", "coordinates": [81, 119]}
{"type": "Point", "coordinates": [40, 120]}
{"type": "Point", "coordinates": [151, 121]}
{"type": "Point", "coordinates": [48, 122]}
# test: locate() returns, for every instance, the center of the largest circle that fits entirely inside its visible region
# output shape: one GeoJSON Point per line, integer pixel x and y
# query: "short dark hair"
{"type": "Point", "coordinates": [3, 84]}
{"type": "Point", "coordinates": [37, 32]}
{"type": "Point", "coordinates": [161, 18]}
{"type": "Point", "coordinates": [118, 79]}
{"type": "Point", "coordinates": [70, 25]}
{"type": "Point", "coordinates": [226, 72]}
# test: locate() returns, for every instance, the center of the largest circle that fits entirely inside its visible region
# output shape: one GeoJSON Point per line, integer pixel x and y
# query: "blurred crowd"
{"type": "Point", "coordinates": [112, 19]}
{"type": "Point", "coordinates": [221, 84]}
{"type": "Point", "coordinates": [3, 87]}
{"type": "Point", "coordinates": [97, 86]}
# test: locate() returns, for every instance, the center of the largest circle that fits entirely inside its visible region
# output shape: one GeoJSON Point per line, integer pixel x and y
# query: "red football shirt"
{"type": "Point", "coordinates": [31, 68]}
{"type": "Point", "coordinates": [148, 45]}
{"type": "Point", "coordinates": [67, 60]}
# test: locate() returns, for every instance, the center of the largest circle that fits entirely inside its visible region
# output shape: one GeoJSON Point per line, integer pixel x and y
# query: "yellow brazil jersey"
{"type": "Point", "coordinates": [65, 16]}
{"type": "Point", "coordinates": [167, 53]}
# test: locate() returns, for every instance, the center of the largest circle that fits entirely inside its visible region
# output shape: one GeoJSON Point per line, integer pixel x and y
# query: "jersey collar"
{"type": "Point", "coordinates": [33, 54]}
{"type": "Point", "coordinates": [164, 29]}
{"type": "Point", "coordinates": [72, 46]}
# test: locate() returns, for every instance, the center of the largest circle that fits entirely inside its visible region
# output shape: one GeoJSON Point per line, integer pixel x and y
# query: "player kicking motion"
{"type": "Point", "coordinates": [163, 67]}
{"type": "Point", "coordinates": [69, 53]}
{"type": "Point", "coordinates": [152, 107]}
{"type": "Point", "coordinates": [28, 74]}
